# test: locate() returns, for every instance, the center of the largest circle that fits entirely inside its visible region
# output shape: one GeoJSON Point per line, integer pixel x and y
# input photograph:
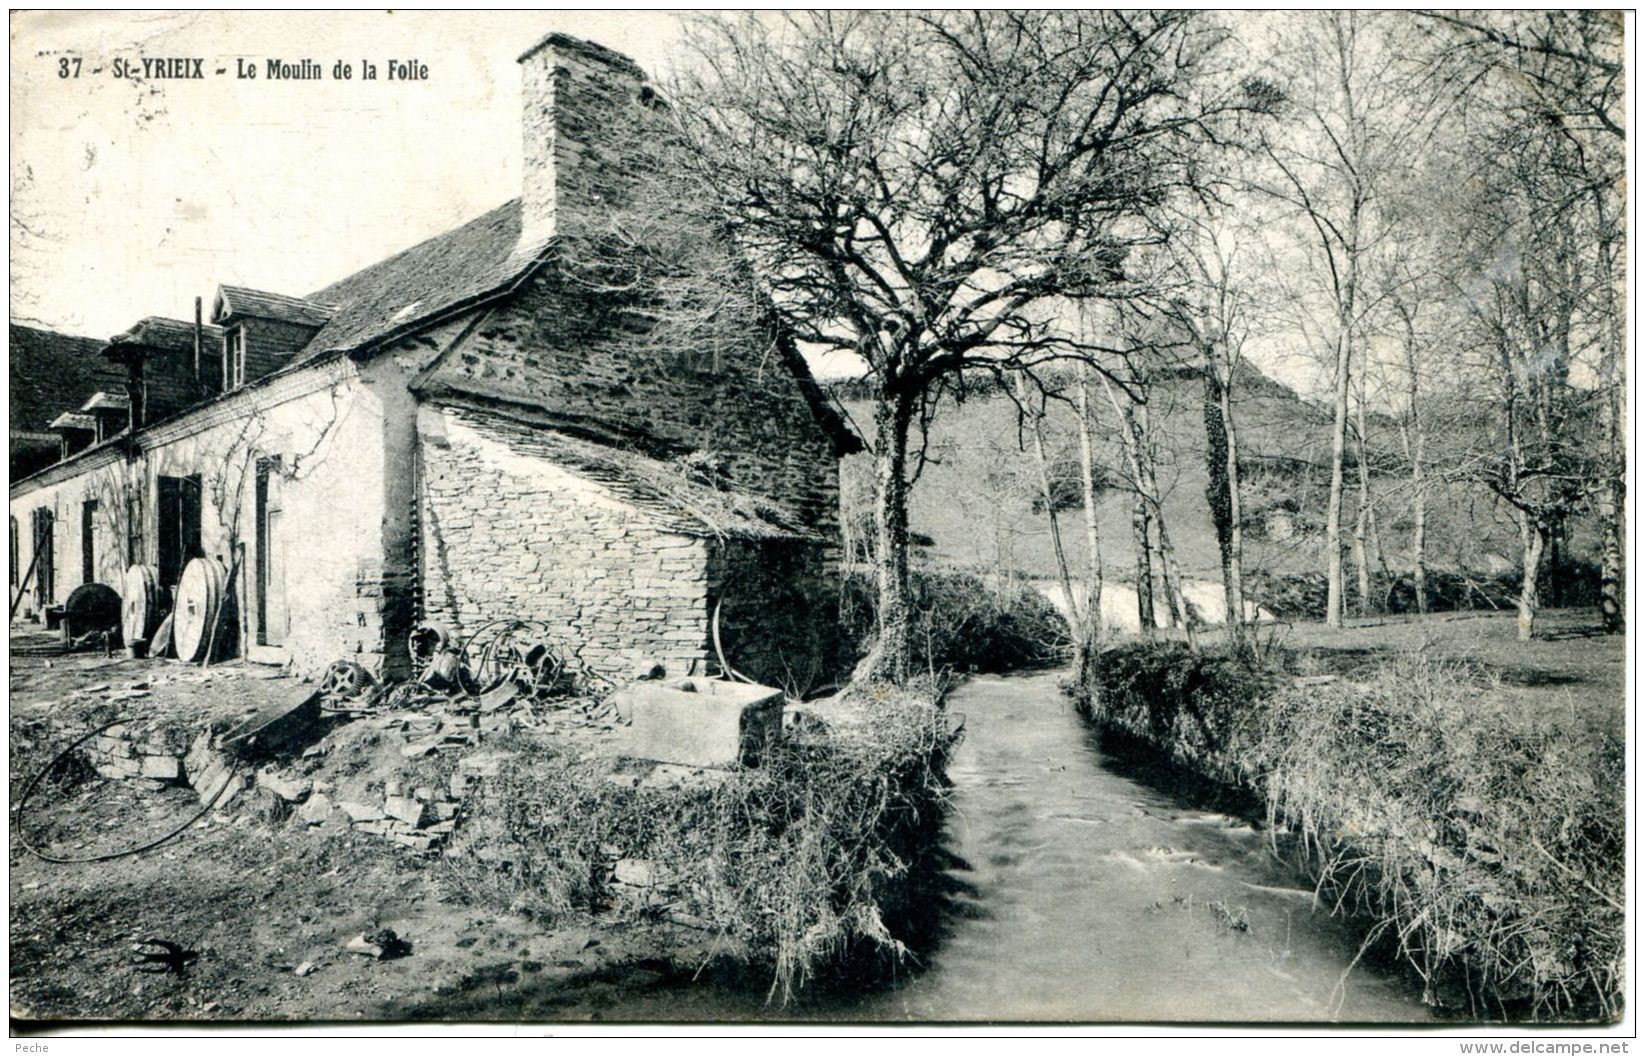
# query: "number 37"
{"type": "Point", "coordinates": [68, 67]}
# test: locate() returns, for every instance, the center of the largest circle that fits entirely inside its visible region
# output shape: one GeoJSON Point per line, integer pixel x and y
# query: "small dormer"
{"type": "Point", "coordinates": [262, 332]}
{"type": "Point", "coordinates": [77, 431]}
{"type": "Point", "coordinates": [170, 365]}
{"type": "Point", "coordinates": [110, 413]}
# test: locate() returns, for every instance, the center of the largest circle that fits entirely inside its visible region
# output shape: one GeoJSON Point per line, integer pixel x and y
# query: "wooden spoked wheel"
{"type": "Point", "coordinates": [139, 602]}
{"type": "Point", "coordinates": [199, 594]}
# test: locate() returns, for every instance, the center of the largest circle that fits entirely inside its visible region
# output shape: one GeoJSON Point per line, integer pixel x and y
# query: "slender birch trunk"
{"type": "Point", "coordinates": [1093, 542]}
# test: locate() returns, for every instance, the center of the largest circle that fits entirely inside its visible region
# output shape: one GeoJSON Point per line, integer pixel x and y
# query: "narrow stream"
{"type": "Point", "coordinates": [1078, 893]}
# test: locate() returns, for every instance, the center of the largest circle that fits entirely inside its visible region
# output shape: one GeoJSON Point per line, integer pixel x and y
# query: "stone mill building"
{"type": "Point", "coordinates": [455, 434]}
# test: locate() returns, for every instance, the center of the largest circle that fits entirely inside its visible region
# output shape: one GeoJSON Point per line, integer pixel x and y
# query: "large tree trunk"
{"type": "Point", "coordinates": [1362, 512]}
{"type": "Point", "coordinates": [1222, 493]}
{"type": "Point", "coordinates": [1533, 538]}
{"type": "Point", "coordinates": [890, 658]}
{"type": "Point", "coordinates": [1135, 430]}
{"type": "Point", "coordinates": [1333, 502]}
{"type": "Point", "coordinates": [1145, 566]}
{"type": "Point", "coordinates": [1613, 499]}
{"type": "Point", "coordinates": [1065, 579]}
{"type": "Point", "coordinates": [1612, 510]}
{"type": "Point", "coordinates": [1419, 532]}
{"type": "Point", "coordinates": [1181, 614]}
{"type": "Point", "coordinates": [1093, 541]}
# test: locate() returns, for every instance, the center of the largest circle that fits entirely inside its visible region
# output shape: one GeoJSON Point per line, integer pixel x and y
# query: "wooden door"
{"type": "Point", "coordinates": [273, 620]}
{"type": "Point", "coordinates": [88, 541]}
{"type": "Point", "coordinates": [45, 566]}
{"type": "Point", "coordinates": [179, 536]}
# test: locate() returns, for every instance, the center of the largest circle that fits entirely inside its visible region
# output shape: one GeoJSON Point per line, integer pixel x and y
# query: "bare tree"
{"type": "Point", "coordinates": [1208, 306]}
{"type": "Point", "coordinates": [1531, 287]}
{"type": "Point", "coordinates": [1357, 116]}
{"type": "Point", "coordinates": [1564, 71]}
{"type": "Point", "coordinates": [923, 190]}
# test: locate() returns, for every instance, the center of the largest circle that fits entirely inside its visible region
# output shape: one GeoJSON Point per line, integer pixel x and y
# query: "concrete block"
{"type": "Point", "coordinates": [712, 724]}
{"type": "Point", "coordinates": [358, 812]}
{"type": "Point", "coordinates": [483, 764]}
{"type": "Point", "coordinates": [406, 809]}
{"type": "Point", "coordinates": [316, 809]}
{"type": "Point", "coordinates": [414, 841]}
{"type": "Point", "coordinates": [293, 789]}
{"type": "Point", "coordinates": [118, 768]}
{"type": "Point", "coordinates": [165, 768]}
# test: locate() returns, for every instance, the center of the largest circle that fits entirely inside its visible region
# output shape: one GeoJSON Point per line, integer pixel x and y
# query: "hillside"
{"type": "Point", "coordinates": [978, 498]}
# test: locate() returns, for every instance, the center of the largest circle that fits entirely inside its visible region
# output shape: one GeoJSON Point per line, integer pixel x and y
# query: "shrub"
{"type": "Point", "coordinates": [963, 624]}
{"type": "Point", "coordinates": [1176, 700]}
{"type": "Point", "coordinates": [796, 863]}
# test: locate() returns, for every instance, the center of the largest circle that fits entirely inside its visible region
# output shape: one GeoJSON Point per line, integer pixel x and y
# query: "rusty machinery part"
{"type": "Point", "coordinates": [347, 679]}
{"type": "Point", "coordinates": [199, 596]}
{"type": "Point", "coordinates": [140, 602]}
{"type": "Point", "coordinates": [413, 694]}
{"type": "Point", "coordinates": [446, 671]}
{"type": "Point", "coordinates": [719, 650]}
{"type": "Point", "coordinates": [520, 651]}
{"type": "Point", "coordinates": [28, 791]}
{"type": "Point", "coordinates": [423, 645]}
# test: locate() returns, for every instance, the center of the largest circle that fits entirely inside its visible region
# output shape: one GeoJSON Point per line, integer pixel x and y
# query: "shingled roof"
{"type": "Point", "coordinates": [675, 501]}
{"type": "Point", "coordinates": [398, 295]}
{"type": "Point", "coordinates": [244, 301]}
{"type": "Point", "coordinates": [172, 335]}
{"type": "Point", "coordinates": [52, 373]}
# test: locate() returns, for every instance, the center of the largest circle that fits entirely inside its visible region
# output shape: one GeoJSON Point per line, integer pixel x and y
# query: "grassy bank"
{"type": "Point", "coordinates": [792, 866]}
{"type": "Point", "coordinates": [1477, 832]}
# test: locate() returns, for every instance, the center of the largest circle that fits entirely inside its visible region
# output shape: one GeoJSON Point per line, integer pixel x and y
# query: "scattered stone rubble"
{"type": "Point", "coordinates": [680, 734]}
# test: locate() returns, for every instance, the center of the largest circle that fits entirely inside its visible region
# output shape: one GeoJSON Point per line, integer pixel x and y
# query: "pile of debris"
{"type": "Point", "coordinates": [397, 760]}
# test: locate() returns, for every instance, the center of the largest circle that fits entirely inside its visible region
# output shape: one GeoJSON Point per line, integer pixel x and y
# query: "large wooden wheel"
{"type": "Point", "coordinates": [139, 603]}
{"type": "Point", "coordinates": [199, 595]}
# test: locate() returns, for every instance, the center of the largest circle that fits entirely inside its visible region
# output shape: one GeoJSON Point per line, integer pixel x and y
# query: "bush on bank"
{"type": "Point", "coordinates": [962, 623]}
{"type": "Point", "coordinates": [1481, 840]}
{"type": "Point", "coordinates": [794, 863]}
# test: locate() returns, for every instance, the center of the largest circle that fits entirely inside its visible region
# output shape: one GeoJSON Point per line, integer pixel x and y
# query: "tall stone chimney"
{"type": "Point", "coordinates": [584, 109]}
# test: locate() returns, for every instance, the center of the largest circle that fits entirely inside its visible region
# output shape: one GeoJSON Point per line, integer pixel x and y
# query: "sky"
{"type": "Point", "coordinates": [132, 197]}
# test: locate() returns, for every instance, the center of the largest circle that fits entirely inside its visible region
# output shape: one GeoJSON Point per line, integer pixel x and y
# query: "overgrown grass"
{"type": "Point", "coordinates": [795, 864]}
{"type": "Point", "coordinates": [1481, 840]}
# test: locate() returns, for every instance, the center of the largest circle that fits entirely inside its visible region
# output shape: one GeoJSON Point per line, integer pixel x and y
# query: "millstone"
{"type": "Point", "coordinates": [199, 594]}
{"type": "Point", "coordinates": [139, 602]}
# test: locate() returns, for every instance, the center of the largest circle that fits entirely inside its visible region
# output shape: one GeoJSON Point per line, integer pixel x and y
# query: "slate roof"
{"type": "Point", "coordinates": [675, 502]}
{"type": "Point", "coordinates": [52, 373]}
{"type": "Point", "coordinates": [243, 301]}
{"type": "Point", "coordinates": [172, 335]}
{"type": "Point", "coordinates": [107, 401]}
{"type": "Point", "coordinates": [398, 295]}
{"type": "Point", "coordinates": [75, 420]}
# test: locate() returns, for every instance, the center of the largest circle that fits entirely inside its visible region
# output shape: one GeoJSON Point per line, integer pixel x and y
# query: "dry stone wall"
{"type": "Point", "coordinates": [507, 535]}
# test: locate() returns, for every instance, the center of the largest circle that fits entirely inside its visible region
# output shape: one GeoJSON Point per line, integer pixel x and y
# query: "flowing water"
{"type": "Point", "coordinates": [1077, 891]}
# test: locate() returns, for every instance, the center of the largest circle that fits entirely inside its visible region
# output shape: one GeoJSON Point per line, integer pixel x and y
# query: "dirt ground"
{"type": "Point", "coordinates": [257, 900]}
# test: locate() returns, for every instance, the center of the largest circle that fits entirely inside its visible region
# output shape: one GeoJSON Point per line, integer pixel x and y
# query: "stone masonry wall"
{"type": "Point", "coordinates": [511, 535]}
{"type": "Point", "coordinates": [551, 349]}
